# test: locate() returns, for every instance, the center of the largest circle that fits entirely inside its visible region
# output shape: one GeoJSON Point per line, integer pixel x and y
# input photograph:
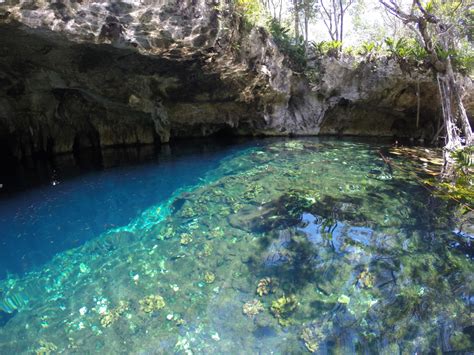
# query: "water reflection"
{"type": "Point", "coordinates": [287, 246]}
{"type": "Point", "coordinates": [52, 205]}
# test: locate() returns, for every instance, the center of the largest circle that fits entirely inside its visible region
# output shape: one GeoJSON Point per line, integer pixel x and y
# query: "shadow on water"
{"type": "Point", "coordinates": [274, 250]}
{"type": "Point", "coordinates": [5, 317]}
{"type": "Point", "coordinates": [410, 269]}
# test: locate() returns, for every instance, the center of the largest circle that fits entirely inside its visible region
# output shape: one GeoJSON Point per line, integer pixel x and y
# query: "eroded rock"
{"type": "Point", "coordinates": [79, 74]}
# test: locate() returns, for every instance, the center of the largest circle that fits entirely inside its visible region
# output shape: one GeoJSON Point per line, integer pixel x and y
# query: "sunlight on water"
{"type": "Point", "coordinates": [287, 246]}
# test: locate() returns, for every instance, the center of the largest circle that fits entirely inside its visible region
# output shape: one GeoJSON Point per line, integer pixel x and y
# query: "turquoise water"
{"type": "Point", "coordinates": [70, 205]}
{"type": "Point", "coordinates": [272, 246]}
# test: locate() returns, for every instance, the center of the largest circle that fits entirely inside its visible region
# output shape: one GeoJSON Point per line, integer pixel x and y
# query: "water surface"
{"type": "Point", "coordinates": [49, 206]}
{"type": "Point", "coordinates": [273, 246]}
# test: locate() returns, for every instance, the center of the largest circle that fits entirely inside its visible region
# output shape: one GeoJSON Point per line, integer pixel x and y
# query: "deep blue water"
{"type": "Point", "coordinates": [282, 246]}
{"type": "Point", "coordinates": [60, 206]}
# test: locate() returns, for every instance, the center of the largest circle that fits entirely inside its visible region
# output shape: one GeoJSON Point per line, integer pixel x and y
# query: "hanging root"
{"type": "Point", "coordinates": [456, 123]}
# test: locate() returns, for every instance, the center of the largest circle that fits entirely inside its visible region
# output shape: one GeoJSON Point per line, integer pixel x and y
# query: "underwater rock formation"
{"type": "Point", "coordinates": [252, 308]}
{"type": "Point", "coordinates": [78, 74]}
{"type": "Point", "coordinates": [283, 307]}
{"type": "Point", "coordinates": [375, 266]}
{"type": "Point", "coordinates": [109, 317]}
{"type": "Point", "coordinates": [266, 285]}
{"type": "Point", "coordinates": [152, 303]}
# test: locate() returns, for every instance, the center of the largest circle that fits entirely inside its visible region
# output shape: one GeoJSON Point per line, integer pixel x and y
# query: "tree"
{"type": "Point", "coordinates": [438, 36]}
{"type": "Point", "coordinates": [296, 13]}
{"type": "Point", "coordinates": [333, 13]}
{"type": "Point", "coordinates": [376, 27]}
{"type": "Point", "coordinates": [274, 8]}
{"type": "Point", "coordinates": [309, 11]}
{"type": "Point", "coordinates": [303, 12]}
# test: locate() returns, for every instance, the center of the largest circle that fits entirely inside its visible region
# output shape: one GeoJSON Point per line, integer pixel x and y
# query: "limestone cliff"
{"type": "Point", "coordinates": [78, 74]}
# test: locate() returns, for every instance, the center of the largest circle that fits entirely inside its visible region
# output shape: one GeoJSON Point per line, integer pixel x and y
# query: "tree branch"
{"type": "Point", "coordinates": [395, 10]}
{"type": "Point", "coordinates": [428, 17]}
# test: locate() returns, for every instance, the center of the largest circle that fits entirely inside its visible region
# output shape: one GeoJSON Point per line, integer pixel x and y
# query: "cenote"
{"type": "Point", "coordinates": [266, 246]}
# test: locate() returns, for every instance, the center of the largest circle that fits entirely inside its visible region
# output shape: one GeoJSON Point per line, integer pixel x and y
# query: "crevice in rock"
{"type": "Point", "coordinates": [113, 74]}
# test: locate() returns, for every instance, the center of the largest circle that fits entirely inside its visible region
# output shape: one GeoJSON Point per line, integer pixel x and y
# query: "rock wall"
{"type": "Point", "coordinates": [77, 74]}
{"type": "Point", "coordinates": [377, 98]}
{"type": "Point", "coordinates": [84, 74]}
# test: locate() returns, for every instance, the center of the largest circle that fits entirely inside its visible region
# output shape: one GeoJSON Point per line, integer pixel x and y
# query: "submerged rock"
{"type": "Point", "coordinates": [46, 347]}
{"type": "Point", "coordinates": [315, 334]}
{"type": "Point", "coordinates": [266, 286]}
{"type": "Point", "coordinates": [354, 286]}
{"type": "Point", "coordinates": [109, 317]}
{"type": "Point", "coordinates": [209, 277]}
{"type": "Point", "coordinates": [152, 303]}
{"type": "Point", "coordinates": [252, 308]}
{"type": "Point", "coordinates": [13, 301]}
{"type": "Point", "coordinates": [283, 307]}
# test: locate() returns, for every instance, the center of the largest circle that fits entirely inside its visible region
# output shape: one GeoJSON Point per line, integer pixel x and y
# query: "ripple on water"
{"type": "Point", "coordinates": [356, 263]}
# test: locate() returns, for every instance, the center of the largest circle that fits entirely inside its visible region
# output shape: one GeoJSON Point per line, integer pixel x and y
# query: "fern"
{"type": "Point", "coordinates": [294, 48]}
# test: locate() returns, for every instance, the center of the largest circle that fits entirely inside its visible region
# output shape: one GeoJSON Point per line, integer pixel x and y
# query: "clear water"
{"type": "Point", "coordinates": [273, 246]}
{"type": "Point", "coordinates": [67, 207]}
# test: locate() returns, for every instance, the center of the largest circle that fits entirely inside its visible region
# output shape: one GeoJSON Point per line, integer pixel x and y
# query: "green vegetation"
{"type": "Point", "coordinates": [293, 47]}
{"type": "Point", "coordinates": [463, 59]}
{"type": "Point", "coordinates": [330, 48]}
{"type": "Point", "coordinates": [251, 10]}
{"type": "Point", "coordinates": [401, 43]}
{"type": "Point", "coordinates": [405, 49]}
{"type": "Point", "coordinates": [368, 49]}
{"type": "Point", "coordinates": [304, 254]}
{"type": "Point", "coordinates": [461, 188]}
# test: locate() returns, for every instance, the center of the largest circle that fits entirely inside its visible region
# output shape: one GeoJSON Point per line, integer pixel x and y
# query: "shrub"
{"type": "Point", "coordinates": [294, 48]}
{"type": "Point", "coordinates": [369, 49]}
{"type": "Point", "coordinates": [461, 189]}
{"type": "Point", "coordinates": [406, 48]}
{"type": "Point", "coordinates": [330, 48]}
{"type": "Point", "coordinates": [252, 11]}
{"type": "Point", "coordinates": [463, 59]}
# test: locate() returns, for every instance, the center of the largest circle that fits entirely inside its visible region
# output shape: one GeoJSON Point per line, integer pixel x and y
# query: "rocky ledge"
{"type": "Point", "coordinates": [78, 74]}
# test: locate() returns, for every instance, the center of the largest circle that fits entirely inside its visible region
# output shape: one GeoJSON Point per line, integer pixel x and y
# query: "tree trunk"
{"type": "Point", "coordinates": [306, 23]}
{"type": "Point", "coordinates": [341, 8]}
{"type": "Point", "coordinates": [455, 121]}
{"type": "Point", "coordinates": [455, 117]}
{"type": "Point", "coordinates": [279, 12]}
{"type": "Point", "coordinates": [297, 18]}
{"type": "Point", "coordinates": [336, 20]}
